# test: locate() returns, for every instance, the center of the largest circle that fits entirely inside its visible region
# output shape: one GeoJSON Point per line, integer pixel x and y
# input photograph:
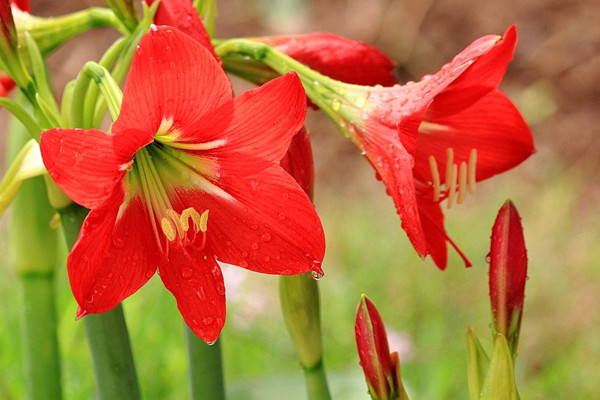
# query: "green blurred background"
{"type": "Point", "coordinates": [555, 81]}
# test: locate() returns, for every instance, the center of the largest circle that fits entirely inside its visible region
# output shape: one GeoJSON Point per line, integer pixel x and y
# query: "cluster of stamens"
{"type": "Point", "coordinates": [175, 226]}
{"type": "Point", "coordinates": [459, 178]}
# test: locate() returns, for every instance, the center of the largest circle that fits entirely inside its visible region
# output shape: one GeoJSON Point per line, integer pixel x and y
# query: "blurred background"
{"type": "Point", "coordinates": [554, 80]}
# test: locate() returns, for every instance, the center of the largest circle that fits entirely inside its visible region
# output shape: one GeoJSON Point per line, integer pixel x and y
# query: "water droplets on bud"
{"type": "Point", "coordinates": [254, 246]}
{"type": "Point", "coordinates": [316, 275]}
{"type": "Point", "coordinates": [208, 321]}
{"type": "Point", "coordinates": [265, 237]}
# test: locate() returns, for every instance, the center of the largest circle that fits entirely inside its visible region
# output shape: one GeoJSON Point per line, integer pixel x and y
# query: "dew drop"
{"type": "Point", "coordinates": [281, 216]}
{"type": "Point", "coordinates": [118, 242]}
{"type": "Point", "coordinates": [201, 294]}
{"type": "Point", "coordinates": [265, 237]}
{"type": "Point", "coordinates": [267, 259]}
{"type": "Point", "coordinates": [210, 342]}
{"type": "Point", "coordinates": [254, 246]}
{"type": "Point", "coordinates": [221, 289]}
{"type": "Point", "coordinates": [186, 273]}
{"type": "Point", "coordinates": [254, 227]}
{"type": "Point", "coordinates": [316, 275]}
{"type": "Point", "coordinates": [208, 320]}
{"type": "Point", "coordinates": [244, 264]}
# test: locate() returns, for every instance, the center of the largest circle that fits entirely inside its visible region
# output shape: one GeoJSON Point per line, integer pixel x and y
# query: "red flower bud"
{"type": "Point", "coordinates": [508, 273]}
{"type": "Point", "coordinates": [382, 369]}
{"type": "Point", "coordinates": [298, 161]}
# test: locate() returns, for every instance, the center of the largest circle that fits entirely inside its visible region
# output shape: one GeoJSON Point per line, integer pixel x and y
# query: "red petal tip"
{"type": "Point", "coordinates": [80, 313]}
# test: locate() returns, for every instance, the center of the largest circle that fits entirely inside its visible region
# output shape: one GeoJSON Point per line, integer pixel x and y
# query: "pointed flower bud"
{"type": "Point", "coordinates": [508, 273]}
{"type": "Point", "coordinates": [382, 369]}
{"type": "Point", "coordinates": [8, 37]}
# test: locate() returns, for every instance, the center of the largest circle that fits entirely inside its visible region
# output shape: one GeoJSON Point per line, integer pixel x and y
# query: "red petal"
{"type": "Point", "coordinates": [298, 161]}
{"type": "Point", "coordinates": [394, 167]}
{"type": "Point", "coordinates": [493, 126]}
{"type": "Point", "coordinates": [172, 76]}
{"type": "Point", "coordinates": [87, 164]}
{"type": "Point", "coordinates": [267, 225]}
{"type": "Point", "coordinates": [182, 15]}
{"type": "Point", "coordinates": [111, 259]}
{"type": "Point", "coordinates": [197, 283]}
{"type": "Point", "coordinates": [338, 57]}
{"type": "Point", "coordinates": [257, 126]}
{"type": "Point", "coordinates": [23, 5]}
{"type": "Point", "coordinates": [432, 220]}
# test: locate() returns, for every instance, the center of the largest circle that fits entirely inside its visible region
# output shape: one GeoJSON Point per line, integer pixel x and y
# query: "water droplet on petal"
{"type": "Point", "coordinates": [265, 237]}
{"type": "Point", "coordinates": [186, 273]}
{"type": "Point", "coordinates": [118, 242]}
{"type": "Point", "coordinates": [254, 246]}
{"type": "Point", "coordinates": [244, 264]}
{"type": "Point", "coordinates": [207, 320]}
{"type": "Point", "coordinates": [316, 275]}
{"type": "Point", "coordinates": [201, 294]}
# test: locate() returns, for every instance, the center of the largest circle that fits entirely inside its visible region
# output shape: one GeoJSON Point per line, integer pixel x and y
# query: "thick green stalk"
{"type": "Point", "coordinates": [299, 296]}
{"type": "Point", "coordinates": [205, 368]}
{"type": "Point", "coordinates": [34, 254]}
{"type": "Point", "coordinates": [107, 334]}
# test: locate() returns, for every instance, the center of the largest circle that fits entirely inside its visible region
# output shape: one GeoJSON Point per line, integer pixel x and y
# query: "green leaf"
{"type": "Point", "coordinates": [27, 164]}
{"type": "Point", "coordinates": [477, 364]}
{"type": "Point", "coordinates": [500, 381]}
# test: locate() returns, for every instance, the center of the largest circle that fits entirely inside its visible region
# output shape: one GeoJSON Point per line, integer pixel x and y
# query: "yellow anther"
{"type": "Point", "coordinates": [462, 183]}
{"type": "Point", "coordinates": [203, 221]}
{"type": "Point", "coordinates": [452, 182]}
{"type": "Point", "coordinates": [167, 228]}
{"type": "Point", "coordinates": [435, 177]}
{"type": "Point", "coordinates": [176, 220]}
{"type": "Point", "coordinates": [472, 178]}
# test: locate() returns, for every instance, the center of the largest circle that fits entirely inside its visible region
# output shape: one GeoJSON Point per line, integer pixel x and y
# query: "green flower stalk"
{"type": "Point", "coordinates": [50, 33]}
{"type": "Point", "coordinates": [126, 12]}
{"type": "Point", "coordinates": [34, 255]}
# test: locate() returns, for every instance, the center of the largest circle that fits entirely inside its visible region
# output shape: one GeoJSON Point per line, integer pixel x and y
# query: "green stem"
{"type": "Point", "coordinates": [205, 368]}
{"type": "Point", "coordinates": [107, 334]}
{"type": "Point", "coordinates": [300, 305]}
{"type": "Point", "coordinates": [316, 383]}
{"type": "Point", "coordinates": [42, 358]}
{"type": "Point", "coordinates": [34, 254]}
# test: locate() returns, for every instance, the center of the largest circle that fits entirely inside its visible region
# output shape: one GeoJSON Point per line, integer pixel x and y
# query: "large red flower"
{"type": "Point", "coordinates": [432, 140]}
{"type": "Point", "coordinates": [188, 176]}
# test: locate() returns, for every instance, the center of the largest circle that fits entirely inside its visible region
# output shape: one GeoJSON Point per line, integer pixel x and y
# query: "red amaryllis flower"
{"type": "Point", "coordinates": [188, 176]}
{"type": "Point", "coordinates": [432, 140]}
{"type": "Point", "coordinates": [182, 15]}
{"type": "Point", "coordinates": [382, 369]}
{"type": "Point", "coordinates": [508, 273]}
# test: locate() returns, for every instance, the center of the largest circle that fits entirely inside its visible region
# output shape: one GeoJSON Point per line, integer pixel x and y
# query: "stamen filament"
{"type": "Point", "coordinates": [472, 178]}
{"type": "Point", "coordinates": [449, 164]}
{"type": "Point", "coordinates": [192, 146]}
{"type": "Point", "coordinates": [452, 188]}
{"type": "Point", "coordinates": [462, 183]}
{"type": "Point", "coordinates": [435, 177]}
